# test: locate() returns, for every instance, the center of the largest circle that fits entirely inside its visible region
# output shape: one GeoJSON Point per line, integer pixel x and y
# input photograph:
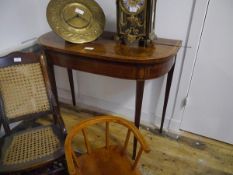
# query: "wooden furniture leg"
{"type": "Point", "coordinates": [167, 92]}
{"type": "Point", "coordinates": [52, 80]}
{"type": "Point", "coordinates": [71, 81]}
{"type": "Point", "coordinates": [53, 86]}
{"type": "Point", "coordinates": [138, 106]}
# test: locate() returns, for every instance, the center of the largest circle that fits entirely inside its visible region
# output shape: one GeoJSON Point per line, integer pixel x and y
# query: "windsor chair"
{"type": "Point", "coordinates": [107, 160]}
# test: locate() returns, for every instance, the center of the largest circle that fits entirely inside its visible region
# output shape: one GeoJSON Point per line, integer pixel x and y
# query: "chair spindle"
{"type": "Point", "coordinates": [127, 140]}
{"type": "Point", "coordinates": [75, 158]}
{"type": "Point", "coordinates": [107, 135]}
{"type": "Point", "coordinates": [137, 158]}
{"type": "Point", "coordinates": [86, 141]}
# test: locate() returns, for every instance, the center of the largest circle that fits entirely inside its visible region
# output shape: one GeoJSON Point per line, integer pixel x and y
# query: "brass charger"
{"type": "Point", "coordinates": [76, 21]}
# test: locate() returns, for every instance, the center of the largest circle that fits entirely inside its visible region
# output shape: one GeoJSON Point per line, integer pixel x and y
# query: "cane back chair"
{"type": "Point", "coordinates": [25, 94]}
{"type": "Point", "coordinates": [107, 160]}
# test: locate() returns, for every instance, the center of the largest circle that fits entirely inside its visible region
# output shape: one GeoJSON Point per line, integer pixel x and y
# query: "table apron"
{"type": "Point", "coordinates": [133, 71]}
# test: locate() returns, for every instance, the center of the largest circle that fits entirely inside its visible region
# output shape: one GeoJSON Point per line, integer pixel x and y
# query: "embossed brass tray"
{"type": "Point", "coordinates": [76, 21]}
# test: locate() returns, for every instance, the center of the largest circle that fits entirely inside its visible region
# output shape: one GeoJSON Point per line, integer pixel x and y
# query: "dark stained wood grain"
{"type": "Point", "coordinates": [109, 68]}
{"type": "Point", "coordinates": [167, 92]}
{"type": "Point", "coordinates": [71, 81]}
{"type": "Point", "coordinates": [138, 106]}
{"type": "Point", "coordinates": [105, 48]}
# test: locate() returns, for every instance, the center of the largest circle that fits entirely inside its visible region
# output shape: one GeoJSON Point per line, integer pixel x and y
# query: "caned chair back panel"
{"type": "Point", "coordinates": [23, 90]}
{"type": "Point", "coordinates": [79, 165]}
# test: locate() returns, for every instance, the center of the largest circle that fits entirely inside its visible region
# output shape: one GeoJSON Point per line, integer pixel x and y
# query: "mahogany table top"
{"type": "Point", "coordinates": [106, 48]}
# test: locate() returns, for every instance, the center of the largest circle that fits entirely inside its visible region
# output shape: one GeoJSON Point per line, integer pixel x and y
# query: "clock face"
{"type": "Point", "coordinates": [133, 6]}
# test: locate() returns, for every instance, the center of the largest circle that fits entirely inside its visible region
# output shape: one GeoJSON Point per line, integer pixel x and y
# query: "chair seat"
{"type": "Point", "coordinates": [111, 161]}
{"type": "Point", "coordinates": [28, 148]}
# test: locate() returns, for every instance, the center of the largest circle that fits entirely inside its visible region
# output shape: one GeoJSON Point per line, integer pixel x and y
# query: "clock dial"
{"type": "Point", "coordinates": [77, 15]}
{"type": "Point", "coordinates": [133, 6]}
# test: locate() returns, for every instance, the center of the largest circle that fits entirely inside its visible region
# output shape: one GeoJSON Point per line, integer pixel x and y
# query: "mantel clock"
{"type": "Point", "coordinates": [136, 21]}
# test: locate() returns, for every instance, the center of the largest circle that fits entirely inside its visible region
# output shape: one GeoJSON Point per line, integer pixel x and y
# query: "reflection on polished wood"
{"type": "Point", "coordinates": [107, 57]}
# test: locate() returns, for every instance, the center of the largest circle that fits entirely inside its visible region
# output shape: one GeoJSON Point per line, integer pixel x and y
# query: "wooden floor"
{"type": "Point", "coordinates": [184, 155]}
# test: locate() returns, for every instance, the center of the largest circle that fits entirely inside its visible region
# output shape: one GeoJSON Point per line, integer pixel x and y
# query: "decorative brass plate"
{"type": "Point", "coordinates": [76, 21]}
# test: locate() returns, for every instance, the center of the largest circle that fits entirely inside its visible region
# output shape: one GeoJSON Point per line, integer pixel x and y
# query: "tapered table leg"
{"type": "Point", "coordinates": [71, 81]}
{"type": "Point", "coordinates": [54, 87]}
{"type": "Point", "coordinates": [167, 92]}
{"type": "Point", "coordinates": [52, 80]}
{"type": "Point", "coordinates": [138, 106]}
